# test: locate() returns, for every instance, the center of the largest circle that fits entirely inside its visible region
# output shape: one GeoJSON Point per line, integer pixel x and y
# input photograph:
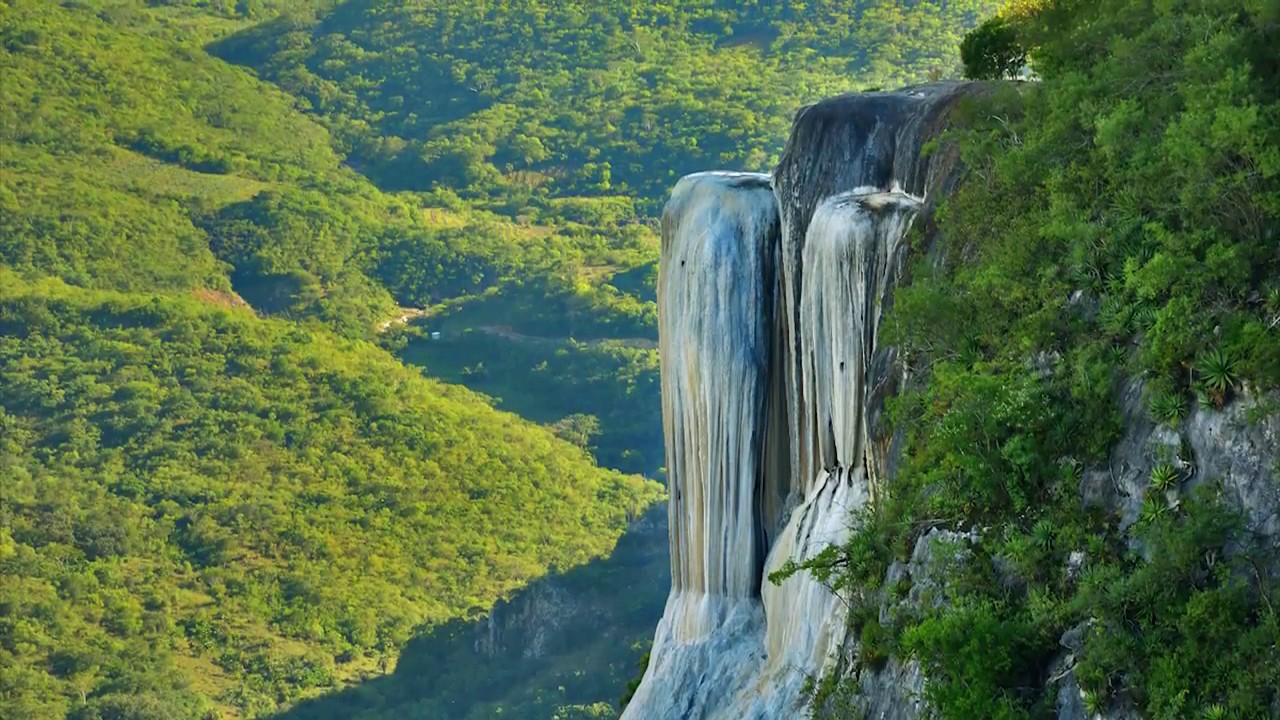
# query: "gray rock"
{"type": "Point", "coordinates": [1075, 563]}
{"type": "Point", "coordinates": [1226, 446]}
{"type": "Point", "coordinates": [896, 691]}
{"type": "Point", "coordinates": [1243, 454]}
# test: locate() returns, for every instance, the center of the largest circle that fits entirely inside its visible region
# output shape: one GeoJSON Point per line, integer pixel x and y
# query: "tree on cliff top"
{"type": "Point", "coordinates": [992, 51]}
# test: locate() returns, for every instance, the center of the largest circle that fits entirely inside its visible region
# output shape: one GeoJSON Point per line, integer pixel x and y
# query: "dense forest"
{"type": "Point", "coordinates": [227, 483]}
{"type": "Point", "coordinates": [517, 102]}
{"type": "Point", "coordinates": [190, 487]}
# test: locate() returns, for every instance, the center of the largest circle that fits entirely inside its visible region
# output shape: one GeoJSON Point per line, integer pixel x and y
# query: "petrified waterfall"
{"type": "Point", "coordinates": [770, 294]}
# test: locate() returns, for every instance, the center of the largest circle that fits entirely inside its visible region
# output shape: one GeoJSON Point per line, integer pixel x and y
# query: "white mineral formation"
{"type": "Point", "coordinates": [716, 293]}
{"type": "Point", "coordinates": [770, 295]}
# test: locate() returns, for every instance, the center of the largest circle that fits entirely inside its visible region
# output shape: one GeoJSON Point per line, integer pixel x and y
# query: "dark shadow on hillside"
{"type": "Point", "coordinates": [569, 639]}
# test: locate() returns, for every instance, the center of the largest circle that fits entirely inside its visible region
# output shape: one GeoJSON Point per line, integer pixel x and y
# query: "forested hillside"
{"type": "Point", "coordinates": [190, 487]}
{"type": "Point", "coordinates": [223, 491]}
{"type": "Point", "coordinates": [517, 102]}
{"type": "Point", "coordinates": [206, 511]}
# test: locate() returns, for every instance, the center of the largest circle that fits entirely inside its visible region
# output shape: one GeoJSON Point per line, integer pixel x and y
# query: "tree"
{"type": "Point", "coordinates": [992, 51]}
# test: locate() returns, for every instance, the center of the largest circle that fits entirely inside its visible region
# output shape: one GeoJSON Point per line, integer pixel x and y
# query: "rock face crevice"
{"type": "Point", "coordinates": [771, 290]}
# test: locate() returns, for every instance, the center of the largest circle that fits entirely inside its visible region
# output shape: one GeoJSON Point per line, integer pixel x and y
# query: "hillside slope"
{"type": "Point", "coordinates": [207, 510]}
{"type": "Point", "coordinates": [193, 487]}
{"type": "Point", "coordinates": [519, 102]}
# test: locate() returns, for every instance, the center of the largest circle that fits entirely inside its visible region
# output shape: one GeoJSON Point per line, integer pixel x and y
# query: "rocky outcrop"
{"type": "Point", "coordinates": [896, 690]}
{"type": "Point", "coordinates": [573, 638]}
{"type": "Point", "coordinates": [1236, 447]}
{"type": "Point", "coordinates": [771, 291]}
{"type": "Point", "coordinates": [775, 379]}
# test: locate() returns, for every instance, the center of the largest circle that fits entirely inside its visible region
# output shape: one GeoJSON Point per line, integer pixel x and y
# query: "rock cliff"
{"type": "Point", "coordinates": [774, 380]}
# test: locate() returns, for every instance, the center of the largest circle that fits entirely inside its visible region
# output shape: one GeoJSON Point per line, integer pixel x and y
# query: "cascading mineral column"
{"type": "Point", "coordinates": [716, 289]}
{"type": "Point", "coordinates": [856, 143]}
{"type": "Point", "coordinates": [774, 387]}
{"type": "Point", "coordinates": [716, 293]}
{"type": "Point", "coordinates": [853, 254]}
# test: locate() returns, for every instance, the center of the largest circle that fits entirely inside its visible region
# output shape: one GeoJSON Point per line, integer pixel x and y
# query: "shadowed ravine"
{"type": "Point", "coordinates": [770, 296]}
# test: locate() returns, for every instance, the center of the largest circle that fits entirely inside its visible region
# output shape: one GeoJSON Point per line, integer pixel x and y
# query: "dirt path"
{"type": "Point", "coordinates": [406, 314]}
{"type": "Point", "coordinates": [506, 332]}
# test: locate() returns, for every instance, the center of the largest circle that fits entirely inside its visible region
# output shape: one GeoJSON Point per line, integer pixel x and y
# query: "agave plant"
{"type": "Point", "coordinates": [1218, 372]}
{"type": "Point", "coordinates": [1216, 711]}
{"type": "Point", "coordinates": [1153, 509]}
{"type": "Point", "coordinates": [1115, 315]}
{"type": "Point", "coordinates": [1164, 477]}
{"type": "Point", "coordinates": [1118, 355]}
{"type": "Point", "coordinates": [1145, 317]}
{"type": "Point", "coordinates": [1094, 578]}
{"type": "Point", "coordinates": [1042, 534]}
{"type": "Point", "coordinates": [1094, 702]}
{"type": "Point", "coordinates": [1168, 407]}
{"type": "Point", "coordinates": [970, 351]}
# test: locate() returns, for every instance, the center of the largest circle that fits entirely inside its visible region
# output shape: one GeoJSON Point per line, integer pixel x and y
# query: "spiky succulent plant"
{"type": "Point", "coordinates": [1168, 407]}
{"type": "Point", "coordinates": [1164, 476]}
{"type": "Point", "coordinates": [1218, 371]}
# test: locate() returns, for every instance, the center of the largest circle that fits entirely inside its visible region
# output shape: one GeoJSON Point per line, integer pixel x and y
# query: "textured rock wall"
{"type": "Point", "coordinates": [770, 294]}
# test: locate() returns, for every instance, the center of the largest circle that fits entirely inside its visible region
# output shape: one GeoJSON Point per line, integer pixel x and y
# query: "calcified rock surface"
{"type": "Point", "coordinates": [770, 295]}
{"type": "Point", "coordinates": [716, 292]}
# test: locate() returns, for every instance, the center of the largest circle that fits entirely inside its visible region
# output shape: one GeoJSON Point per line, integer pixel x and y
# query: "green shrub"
{"type": "Point", "coordinates": [875, 644]}
{"type": "Point", "coordinates": [978, 656]}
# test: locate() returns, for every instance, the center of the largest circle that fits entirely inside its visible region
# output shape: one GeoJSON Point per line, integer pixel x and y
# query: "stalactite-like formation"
{"type": "Point", "coordinates": [770, 293]}
{"type": "Point", "coordinates": [853, 143]}
{"type": "Point", "coordinates": [716, 287]}
{"type": "Point", "coordinates": [852, 254]}
{"type": "Point", "coordinates": [716, 294]}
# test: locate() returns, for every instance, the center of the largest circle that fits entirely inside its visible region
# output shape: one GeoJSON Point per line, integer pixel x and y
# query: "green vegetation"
{"type": "Point", "coordinates": [609, 385]}
{"type": "Point", "coordinates": [101, 147]}
{"type": "Point", "coordinates": [1168, 406]}
{"type": "Point", "coordinates": [1141, 178]}
{"type": "Point", "coordinates": [579, 640]}
{"type": "Point", "coordinates": [520, 103]}
{"type": "Point", "coordinates": [207, 513]}
{"type": "Point", "coordinates": [1164, 477]}
{"type": "Point", "coordinates": [1218, 373]}
{"type": "Point", "coordinates": [265, 507]}
{"type": "Point", "coordinates": [992, 51]}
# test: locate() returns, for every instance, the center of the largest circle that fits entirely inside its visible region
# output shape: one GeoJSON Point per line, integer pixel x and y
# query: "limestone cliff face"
{"type": "Point", "coordinates": [774, 382]}
{"type": "Point", "coordinates": [771, 291]}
